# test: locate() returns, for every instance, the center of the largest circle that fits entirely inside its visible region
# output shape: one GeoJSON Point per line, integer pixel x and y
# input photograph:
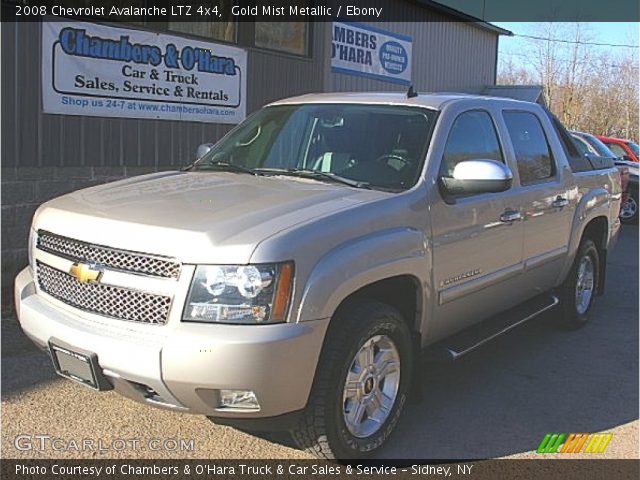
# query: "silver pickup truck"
{"type": "Point", "coordinates": [293, 275]}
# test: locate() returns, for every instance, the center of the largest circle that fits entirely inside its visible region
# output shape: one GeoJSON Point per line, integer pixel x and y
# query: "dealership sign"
{"type": "Point", "coordinates": [358, 49]}
{"type": "Point", "coordinates": [90, 69]}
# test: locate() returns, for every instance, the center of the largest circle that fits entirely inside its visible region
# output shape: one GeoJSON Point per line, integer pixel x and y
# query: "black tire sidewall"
{"type": "Point", "coordinates": [571, 317]}
{"type": "Point", "coordinates": [345, 445]}
{"type": "Point", "coordinates": [631, 220]}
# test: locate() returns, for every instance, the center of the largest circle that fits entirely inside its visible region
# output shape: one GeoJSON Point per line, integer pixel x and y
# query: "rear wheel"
{"type": "Point", "coordinates": [578, 291]}
{"type": "Point", "coordinates": [361, 384]}
{"type": "Point", "coordinates": [629, 209]}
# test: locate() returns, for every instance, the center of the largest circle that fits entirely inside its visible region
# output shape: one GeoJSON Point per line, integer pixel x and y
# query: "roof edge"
{"type": "Point", "coordinates": [478, 22]}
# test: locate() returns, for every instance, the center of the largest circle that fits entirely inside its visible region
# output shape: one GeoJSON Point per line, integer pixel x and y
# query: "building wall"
{"type": "Point", "coordinates": [45, 155]}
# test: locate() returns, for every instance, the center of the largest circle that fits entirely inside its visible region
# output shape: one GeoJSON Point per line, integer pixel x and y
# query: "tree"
{"type": "Point", "coordinates": [589, 89]}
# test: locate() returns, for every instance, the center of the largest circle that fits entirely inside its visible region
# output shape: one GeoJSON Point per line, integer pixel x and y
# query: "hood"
{"type": "Point", "coordinates": [197, 217]}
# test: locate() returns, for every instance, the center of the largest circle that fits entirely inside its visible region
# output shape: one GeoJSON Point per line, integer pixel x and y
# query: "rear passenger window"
{"type": "Point", "coordinates": [472, 137]}
{"type": "Point", "coordinates": [531, 147]}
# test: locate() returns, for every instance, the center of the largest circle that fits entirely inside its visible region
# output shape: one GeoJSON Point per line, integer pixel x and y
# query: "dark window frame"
{"type": "Point", "coordinates": [554, 164]}
{"type": "Point", "coordinates": [563, 134]}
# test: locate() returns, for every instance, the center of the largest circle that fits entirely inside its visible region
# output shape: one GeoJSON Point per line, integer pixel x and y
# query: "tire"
{"type": "Point", "coordinates": [579, 289]}
{"type": "Point", "coordinates": [629, 210]}
{"type": "Point", "coordinates": [356, 329]}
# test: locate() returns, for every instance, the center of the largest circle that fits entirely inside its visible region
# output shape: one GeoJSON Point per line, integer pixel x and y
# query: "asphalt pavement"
{"type": "Point", "coordinates": [497, 402]}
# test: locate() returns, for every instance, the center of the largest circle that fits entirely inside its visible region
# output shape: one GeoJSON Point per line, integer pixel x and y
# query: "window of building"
{"type": "Point", "coordinates": [531, 147]}
{"type": "Point", "coordinates": [222, 29]}
{"type": "Point", "coordinates": [290, 37]}
{"type": "Point", "coordinates": [473, 137]}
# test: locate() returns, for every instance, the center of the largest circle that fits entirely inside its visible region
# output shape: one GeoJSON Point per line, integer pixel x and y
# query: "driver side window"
{"type": "Point", "coordinates": [473, 136]}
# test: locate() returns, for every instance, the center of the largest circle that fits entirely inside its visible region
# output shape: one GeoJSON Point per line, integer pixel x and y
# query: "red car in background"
{"type": "Point", "coordinates": [625, 149]}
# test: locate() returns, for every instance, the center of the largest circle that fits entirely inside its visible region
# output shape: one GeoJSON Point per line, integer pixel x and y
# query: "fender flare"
{"type": "Point", "coordinates": [594, 204]}
{"type": "Point", "coordinates": [360, 262]}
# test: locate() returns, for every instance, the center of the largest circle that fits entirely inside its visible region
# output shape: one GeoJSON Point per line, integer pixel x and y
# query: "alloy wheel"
{"type": "Point", "coordinates": [371, 386]}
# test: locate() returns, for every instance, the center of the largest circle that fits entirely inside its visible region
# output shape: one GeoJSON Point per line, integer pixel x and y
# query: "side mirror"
{"type": "Point", "coordinates": [203, 150]}
{"type": "Point", "coordinates": [627, 158]}
{"type": "Point", "coordinates": [477, 176]}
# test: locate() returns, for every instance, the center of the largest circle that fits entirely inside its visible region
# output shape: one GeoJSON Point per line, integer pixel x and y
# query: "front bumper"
{"type": "Point", "coordinates": [182, 366]}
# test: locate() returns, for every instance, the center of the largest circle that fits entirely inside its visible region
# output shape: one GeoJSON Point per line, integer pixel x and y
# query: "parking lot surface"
{"type": "Point", "coordinates": [498, 402]}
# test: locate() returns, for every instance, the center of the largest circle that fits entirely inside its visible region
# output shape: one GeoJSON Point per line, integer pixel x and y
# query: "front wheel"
{"type": "Point", "coordinates": [361, 385]}
{"type": "Point", "coordinates": [578, 291]}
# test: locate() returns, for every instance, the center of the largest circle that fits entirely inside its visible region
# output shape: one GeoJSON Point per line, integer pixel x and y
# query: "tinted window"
{"type": "Point", "coordinates": [617, 149]}
{"type": "Point", "coordinates": [472, 137]}
{"type": "Point", "coordinates": [530, 146]}
{"type": "Point", "coordinates": [581, 145]}
{"type": "Point", "coordinates": [633, 147]}
{"type": "Point", "coordinates": [600, 147]}
{"type": "Point", "coordinates": [381, 145]}
{"type": "Point", "coordinates": [568, 144]}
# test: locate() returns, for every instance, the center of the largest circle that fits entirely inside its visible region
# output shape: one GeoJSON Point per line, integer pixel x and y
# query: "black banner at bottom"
{"type": "Point", "coordinates": [116, 469]}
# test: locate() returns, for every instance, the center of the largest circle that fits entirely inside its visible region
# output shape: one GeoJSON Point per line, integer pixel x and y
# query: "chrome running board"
{"type": "Point", "coordinates": [452, 348]}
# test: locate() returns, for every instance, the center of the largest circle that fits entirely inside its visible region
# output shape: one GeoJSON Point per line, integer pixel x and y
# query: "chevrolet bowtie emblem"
{"type": "Point", "coordinates": [86, 272]}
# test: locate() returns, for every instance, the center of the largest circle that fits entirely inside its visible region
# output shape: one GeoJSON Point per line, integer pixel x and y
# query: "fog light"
{"type": "Point", "coordinates": [238, 399]}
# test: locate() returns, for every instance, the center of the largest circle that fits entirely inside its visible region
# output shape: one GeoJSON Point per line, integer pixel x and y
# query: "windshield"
{"type": "Point", "coordinates": [599, 147]}
{"type": "Point", "coordinates": [633, 147]}
{"type": "Point", "coordinates": [381, 146]}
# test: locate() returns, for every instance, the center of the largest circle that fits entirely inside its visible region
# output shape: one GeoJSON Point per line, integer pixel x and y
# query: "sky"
{"type": "Point", "coordinates": [515, 48]}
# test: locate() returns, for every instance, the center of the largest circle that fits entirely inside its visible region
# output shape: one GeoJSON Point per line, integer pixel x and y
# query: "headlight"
{"type": "Point", "coordinates": [241, 294]}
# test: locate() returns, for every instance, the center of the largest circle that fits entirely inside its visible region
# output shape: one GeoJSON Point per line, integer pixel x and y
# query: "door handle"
{"type": "Point", "coordinates": [560, 202]}
{"type": "Point", "coordinates": [510, 216]}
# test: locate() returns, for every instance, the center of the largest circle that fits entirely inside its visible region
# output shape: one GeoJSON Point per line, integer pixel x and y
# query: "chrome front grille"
{"type": "Point", "coordinates": [117, 302]}
{"type": "Point", "coordinates": [112, 258]}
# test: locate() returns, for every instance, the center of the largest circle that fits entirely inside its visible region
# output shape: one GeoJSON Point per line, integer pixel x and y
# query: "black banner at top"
{"type": "Point", "coordinates": [148, 11]}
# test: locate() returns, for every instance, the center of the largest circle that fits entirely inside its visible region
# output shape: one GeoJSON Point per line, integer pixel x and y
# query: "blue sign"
{"type": "Point", "coordinates": [393, 57]}
{"type": "Point", "coordinates": [362, 50]}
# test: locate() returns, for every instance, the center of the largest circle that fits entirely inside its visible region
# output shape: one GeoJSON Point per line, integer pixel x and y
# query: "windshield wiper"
{"type": "Point", "coordinates": [317, 175]}
{"type": "Point", "coordinates": [229, 167]}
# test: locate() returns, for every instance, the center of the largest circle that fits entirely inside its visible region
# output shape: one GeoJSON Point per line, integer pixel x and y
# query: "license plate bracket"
{"type": "Point", "coordinates": [78, 365]}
